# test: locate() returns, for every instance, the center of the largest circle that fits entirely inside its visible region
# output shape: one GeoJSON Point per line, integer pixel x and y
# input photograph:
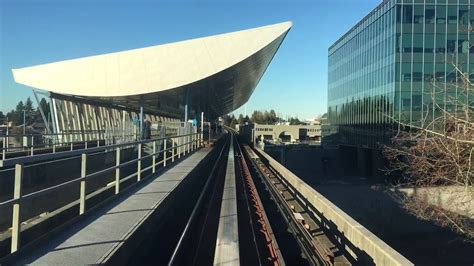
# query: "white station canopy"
{"type": "Point", "coordinates": [197, 64]}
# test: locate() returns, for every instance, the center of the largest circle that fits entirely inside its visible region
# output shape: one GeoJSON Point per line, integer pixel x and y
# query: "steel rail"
{"type": "Point", "coordinates": [304, 240]}
{"type": "Point", "coordinates": [266, 229]}
{"type": "Point", "coordinates": [197, 206]}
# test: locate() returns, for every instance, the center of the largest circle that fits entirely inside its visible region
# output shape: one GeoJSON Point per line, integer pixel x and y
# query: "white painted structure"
{"type": "Point", "coordinates": [215, 74]}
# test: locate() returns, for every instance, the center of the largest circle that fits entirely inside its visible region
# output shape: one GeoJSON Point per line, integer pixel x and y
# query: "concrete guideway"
{"type": "Point", "coordinates": [227, 244]}
{"type": "Point", "coordinates": [96, 238]}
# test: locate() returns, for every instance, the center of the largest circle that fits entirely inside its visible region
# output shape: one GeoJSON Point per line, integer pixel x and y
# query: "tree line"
{"type": "Point", "coordinates": [31, 113]}
{"type": "Point", "coordinates": [259, 117]}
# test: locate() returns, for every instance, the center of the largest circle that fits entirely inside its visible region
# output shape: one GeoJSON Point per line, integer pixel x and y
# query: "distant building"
{"type": "Point", "coordinates": [282, 133]}
{"type": "Point", "coordinates": [387, 66]}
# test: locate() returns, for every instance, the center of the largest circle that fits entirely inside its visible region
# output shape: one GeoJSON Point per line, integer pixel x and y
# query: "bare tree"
{"type": "Point", "coordinates": [435, 157]}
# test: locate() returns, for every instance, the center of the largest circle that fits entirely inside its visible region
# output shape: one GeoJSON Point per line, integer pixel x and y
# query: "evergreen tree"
{"type": "Point", "coordinates": [17, 114]}
{"type": "Point", "coordinates": [30, 112]}
{"type": "Point", "coordinates": [240, 120]}
{"type": "Point", "coordinates": [44, 105]}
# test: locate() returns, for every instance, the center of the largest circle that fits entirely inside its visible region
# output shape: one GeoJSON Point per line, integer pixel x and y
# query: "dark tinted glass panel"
{"type": "Point", "coordinates": [407, 14]}
{"type": "Point", "coordinates": [440, 14]}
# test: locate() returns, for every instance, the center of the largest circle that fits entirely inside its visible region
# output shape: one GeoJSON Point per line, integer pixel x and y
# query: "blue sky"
{"type": "Point", "coordinates": [295, 84]}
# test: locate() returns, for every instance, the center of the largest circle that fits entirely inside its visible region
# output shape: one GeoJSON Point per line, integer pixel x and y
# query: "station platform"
{"type": "Point", "coordinates": [96, 238]}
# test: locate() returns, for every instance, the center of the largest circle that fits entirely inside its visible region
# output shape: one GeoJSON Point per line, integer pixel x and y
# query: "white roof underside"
{"type": "Point", "coordinates": [152, 69]}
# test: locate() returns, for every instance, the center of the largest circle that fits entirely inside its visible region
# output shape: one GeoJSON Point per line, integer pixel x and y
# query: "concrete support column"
{"type": "Point", "coordinates": [362, 162]}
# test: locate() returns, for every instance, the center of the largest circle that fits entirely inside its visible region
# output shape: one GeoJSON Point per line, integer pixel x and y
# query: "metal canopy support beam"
{"type": "Point", "coordinates": [186, 106]}
{"type": "Point", "coordinates": [52, 115]}
{"type": "Point", "coordinates": [141, 117]}
{"type": "Point", "coordinates": [106, 104]}
{"type": "Point", "coordinates": [42, 112]}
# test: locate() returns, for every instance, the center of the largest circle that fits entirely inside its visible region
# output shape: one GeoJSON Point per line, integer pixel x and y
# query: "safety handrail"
{"type": "Point", "coordinates": [63, 154]}
{"type": "Point", "coordinates": [187, 143]}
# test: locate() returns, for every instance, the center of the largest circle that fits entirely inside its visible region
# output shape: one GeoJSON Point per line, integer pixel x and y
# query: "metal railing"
{"type": "Point", "coordinates": [31, 144]}
{"type": "Point", "coordinates": [179, 146]}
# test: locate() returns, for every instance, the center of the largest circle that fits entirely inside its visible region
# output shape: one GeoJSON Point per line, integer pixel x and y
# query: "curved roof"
{"type": "Point", "coordinates": [195, 64]}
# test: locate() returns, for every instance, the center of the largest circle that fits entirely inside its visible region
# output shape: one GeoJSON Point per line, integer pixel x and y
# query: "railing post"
{"type": "Point", "coordinates": [139, 163]}
{"type": "Point", "coordinates": [55, 139]}
{"type": "Point", "coordinates": [164, 153]}
{"type": "Point", "coordinates": [196, 140]}
{"type": "Point", "coordinates": [4, 151]}
{"type": "Point", "coordinates": [16, 222]}
{"type": "Point", "coordinates": [72, 145]}
{"type": "Point", "coordinates": [187, 143]}
{"type": "Point", "coordinates": [117, 170]}
{"type": "Point", "coordinates": [178, 148]}
{"type": "Point", "coordinates": [82, 199]}
{"type": "Point", "coordinates": [183, 145]}
{"type": "Point", "coordinates": [32, 144]}
{"type": "Point", "coordinates": [153, 158]}
{"type": "Point", "coordinates": [172, 150]}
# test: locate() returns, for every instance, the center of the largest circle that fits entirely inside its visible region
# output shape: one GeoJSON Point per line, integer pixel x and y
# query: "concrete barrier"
{"type": "Point", "coordinates": [356, 234]}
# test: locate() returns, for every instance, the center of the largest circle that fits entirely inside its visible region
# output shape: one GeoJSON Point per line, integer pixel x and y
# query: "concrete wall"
{"type": "Point", "coordinates": [457, 199]}
{"type": "Point", "coordinates": [318, 163]}
{"type": "Point", "coordinates": [360, 237]}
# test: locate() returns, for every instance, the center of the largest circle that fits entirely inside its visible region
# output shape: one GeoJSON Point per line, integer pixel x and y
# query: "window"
{"type": "Point", "coordinates": [417, 76]}
{"type": "Point", "coordinates": [430, 15]}
{"type": "Point", "coordinates": [451, 43]}
{"type": "Point", "coordinates": [407, 14]}
{"type": "Point", "coordinates": [418, 43]}
{"type": "Point", "coordinates": [463, 15]}
{"type": "Point", "coordinates": [416, 101]}
{"type": "Point", "coordinates": [472, 15]}
{"type": "Point", "coordinates": [406, 72]}
{"type": "Point", "coordinates": [407, 44]}
{"type": "Point", "coordinates": [440, 14]}
{"type": "Point", "coordinates": [406, 102]}
{"type": "Point", "coordinates": [429, 68]}
{"type": "Point", "coordinates": [463, 44]}
{"type": "Point", "coordinates": [417, 72]}
{"type": "Point", "coordinates": [452, 15]}
{"type": "Point", "coordinates": [440, 43]}
{"type": "Point", "coordinates": [429, 43]}
{"type": "Point", "coordinates": [418, 17]}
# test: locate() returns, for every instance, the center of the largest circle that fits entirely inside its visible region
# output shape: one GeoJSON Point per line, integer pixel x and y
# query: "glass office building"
{"type": "Point", "coordinates": [401, 65]}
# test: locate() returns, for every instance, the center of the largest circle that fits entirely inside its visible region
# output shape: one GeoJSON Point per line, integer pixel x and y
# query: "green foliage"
{"type": "Point", "coordinates": [265, 117]}
{"type": "Point", "coordinates": [295, 121]}
{"type": "Point", "coordinates": [26, 111]}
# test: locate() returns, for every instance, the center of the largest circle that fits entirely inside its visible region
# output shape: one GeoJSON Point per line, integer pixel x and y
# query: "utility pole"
{"type": "Point", "coordinates": [24, 122]}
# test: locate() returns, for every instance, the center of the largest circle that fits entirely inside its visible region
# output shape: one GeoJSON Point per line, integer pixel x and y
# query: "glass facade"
{"type": "Point", "coordinates": [401, 65]}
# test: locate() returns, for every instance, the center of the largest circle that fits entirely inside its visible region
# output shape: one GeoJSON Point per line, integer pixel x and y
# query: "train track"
{"type": "Point", "coordinates": [316, 243]}
{"type": "Point", "coordinates": [272, 225]}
